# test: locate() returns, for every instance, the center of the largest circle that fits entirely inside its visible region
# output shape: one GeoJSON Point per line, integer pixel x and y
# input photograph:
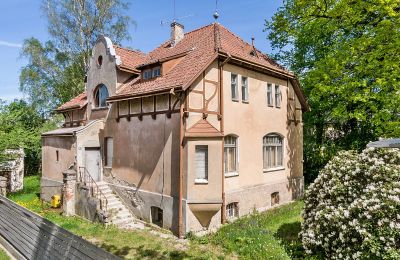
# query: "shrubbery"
{"type": "Point", "coordinates": [352, 210]}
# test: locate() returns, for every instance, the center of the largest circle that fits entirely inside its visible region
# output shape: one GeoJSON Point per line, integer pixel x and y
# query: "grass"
{"type": "Point", "coordinates": [3, 255]}
{"type": "Point", "coordinates": [269, 235]}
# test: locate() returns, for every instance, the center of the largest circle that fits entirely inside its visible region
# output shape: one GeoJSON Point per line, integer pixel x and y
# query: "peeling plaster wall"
{"type": "Point", "coordinates": [52, 177]}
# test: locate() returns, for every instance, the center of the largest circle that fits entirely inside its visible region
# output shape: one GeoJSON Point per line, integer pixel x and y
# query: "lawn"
{"type": "Point", "coordinates": [269, 235]}
{"type": "Point", "coordinates": [3, 255]}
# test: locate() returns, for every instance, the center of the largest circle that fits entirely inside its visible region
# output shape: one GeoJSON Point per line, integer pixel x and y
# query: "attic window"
{"type": "Point", "coordinates": [151, 73]}
{"type": "Point", "coordinates": [99, 60]}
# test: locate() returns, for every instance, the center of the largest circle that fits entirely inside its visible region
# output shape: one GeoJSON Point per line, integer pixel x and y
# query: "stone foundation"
{"type": "Point", "coordinates": [258, 198]}
{"type": "Point", "coordinates": [139, 202]}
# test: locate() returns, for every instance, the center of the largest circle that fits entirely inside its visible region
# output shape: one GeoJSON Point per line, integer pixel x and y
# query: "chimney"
{"type": "Point", "coordinates": [176, 33]}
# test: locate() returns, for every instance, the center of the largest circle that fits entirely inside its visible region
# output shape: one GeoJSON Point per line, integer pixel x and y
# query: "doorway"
{"type": "Point", "coordinates": [92, 162]}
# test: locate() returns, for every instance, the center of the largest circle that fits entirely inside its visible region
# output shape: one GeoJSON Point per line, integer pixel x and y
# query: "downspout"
{"type": "Point", "coordinates": [221, 89]}
{"type": "Point", "coordinates": [181, 151]}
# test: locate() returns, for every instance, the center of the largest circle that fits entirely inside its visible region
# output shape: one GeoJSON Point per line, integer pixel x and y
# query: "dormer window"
{"type": "Point", "coordinates": [152, 73]}
{"type": "Point", "coordinates": [100, 96]}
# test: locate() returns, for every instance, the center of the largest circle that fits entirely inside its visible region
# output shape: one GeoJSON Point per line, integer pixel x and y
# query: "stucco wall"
{"type": "Point", "coordinates": [146, 152]}
{"type": "Point", "coordinates": [52, 177]}
{"type": "Point", "coordinates": [66, 147]}
{"type": "Point", "coordinates": [105, 74]}
{"type": "Point", "coordinates": [253, 120]}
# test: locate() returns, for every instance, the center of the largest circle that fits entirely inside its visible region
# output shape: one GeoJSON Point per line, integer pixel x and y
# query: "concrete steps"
{"type": "Point", "coordinates": [119, 215]}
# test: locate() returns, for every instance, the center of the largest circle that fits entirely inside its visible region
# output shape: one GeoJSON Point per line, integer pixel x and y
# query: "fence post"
{"type": "Point", "coordinates": [3, 186]}
{"type": "Point", "coordinates": [69, 179]}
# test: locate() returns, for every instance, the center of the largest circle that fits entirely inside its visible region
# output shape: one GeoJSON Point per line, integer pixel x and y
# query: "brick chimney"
{"type": "Point", "coordinates": [177, 33]}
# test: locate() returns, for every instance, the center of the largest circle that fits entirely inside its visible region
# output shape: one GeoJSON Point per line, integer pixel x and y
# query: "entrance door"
{"type": "Point", "coordinates": [92, 162]}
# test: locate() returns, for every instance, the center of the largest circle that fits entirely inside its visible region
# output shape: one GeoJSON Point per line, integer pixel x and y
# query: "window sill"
{"type": "Point", "coordinates": [201, 181]}
{"type": "Point", "coordinates": [270, 105]}
{"type": "Point", "coordinates": [235, 100]}
{"type": "Point", "coordinates": [231, 174]}
{"type": "Point", "coordinates": [274, 169]}
{"type": "Point", "coordinates": [245, 101]}
{"type": "Point", "coordinates": [107, 167]}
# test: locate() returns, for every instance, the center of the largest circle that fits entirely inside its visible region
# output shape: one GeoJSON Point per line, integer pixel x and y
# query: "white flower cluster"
{"type": "Point", "coordinates": [352, 210]}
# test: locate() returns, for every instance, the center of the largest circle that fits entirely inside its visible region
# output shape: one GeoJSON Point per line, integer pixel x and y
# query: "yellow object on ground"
{"type": "Point", "coordinates": [55, 201]}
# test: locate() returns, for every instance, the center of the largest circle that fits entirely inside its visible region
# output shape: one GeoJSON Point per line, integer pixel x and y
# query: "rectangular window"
{"type": "Point", "coordinates": [234, 87]}
{"type": "Point", "coordinates": [230, 153]}
{"type": "Point", "coordinates": [156, 72]}
{"type": "Point", "coordinates": [245, 90]}
{"type": "Point", "coordinates": [57, 156]}
{"type": "Point", "coordinates": [201, 162]}
{"type": "Point", "coordinates": [278, 96]}
{"type": "Point", "coordinates": [274, 198]}
{"type": "Point", "coordinates": [109, 151]}
{"type": "Point", "coordinates": [270, 101]}
{"type": "Point", "coordinates": [147, 74]}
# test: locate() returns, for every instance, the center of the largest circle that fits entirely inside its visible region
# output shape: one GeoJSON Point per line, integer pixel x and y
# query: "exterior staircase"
{"type": "Point", "coordinates": [118, 213]}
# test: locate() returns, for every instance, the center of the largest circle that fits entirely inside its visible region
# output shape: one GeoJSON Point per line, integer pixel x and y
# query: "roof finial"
{"type": "Point", "coordinates": [216, 14]}
{"type": "Point", "coordinates": [252, 40]}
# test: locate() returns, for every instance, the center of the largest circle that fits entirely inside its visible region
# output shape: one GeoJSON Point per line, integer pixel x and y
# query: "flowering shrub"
{"type": "Point", "coordinates": [352, 210]}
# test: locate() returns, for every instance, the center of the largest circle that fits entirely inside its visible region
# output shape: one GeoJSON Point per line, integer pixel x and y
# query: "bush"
{"type": "Point", "coordinates": [352, 210]}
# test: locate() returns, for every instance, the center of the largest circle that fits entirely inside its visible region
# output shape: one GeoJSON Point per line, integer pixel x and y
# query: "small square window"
{"type": "Point", "coordinates": [274, 198]}
{"type": "Point", "coordinates": [232, 210]}
{"type": "Point", "coordinates": [156, 72]}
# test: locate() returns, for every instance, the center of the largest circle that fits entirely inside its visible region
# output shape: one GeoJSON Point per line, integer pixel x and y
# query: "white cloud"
{"type": "Point", "coordinates": [10, 44]}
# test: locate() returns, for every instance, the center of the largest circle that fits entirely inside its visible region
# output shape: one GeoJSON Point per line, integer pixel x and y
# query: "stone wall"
{"type": "Point", "coordinates": [13, 170]}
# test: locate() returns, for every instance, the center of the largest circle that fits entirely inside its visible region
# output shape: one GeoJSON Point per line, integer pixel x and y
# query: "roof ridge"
{"type": "Point", "coordinates": [128, 49]}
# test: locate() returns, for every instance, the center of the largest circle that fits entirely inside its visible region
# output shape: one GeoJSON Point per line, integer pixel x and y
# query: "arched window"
{"type": "Point", "coordinates": [272, 151]}
{"type": "Point", "coordinates": [100, 96]}
{"type": "Point", "coordinates": [230, 153]}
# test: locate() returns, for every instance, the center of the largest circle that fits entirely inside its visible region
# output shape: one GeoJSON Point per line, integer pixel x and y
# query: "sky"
{"type": "Point", "coordinates": [22, 19]}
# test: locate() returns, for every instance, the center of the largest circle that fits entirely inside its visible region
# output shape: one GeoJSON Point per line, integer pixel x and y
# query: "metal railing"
{"type": "Point", "coordinates": [94, 190]}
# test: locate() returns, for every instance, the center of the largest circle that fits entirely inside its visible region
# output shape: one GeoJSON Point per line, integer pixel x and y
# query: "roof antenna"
{"type": "Point", "coordinates": [163, 22]}
{"type": "Point", "coordinates": [216, 14]}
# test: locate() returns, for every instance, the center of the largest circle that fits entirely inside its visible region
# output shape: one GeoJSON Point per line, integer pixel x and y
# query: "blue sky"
{"type": "Point", "coordinates": [22, 19]}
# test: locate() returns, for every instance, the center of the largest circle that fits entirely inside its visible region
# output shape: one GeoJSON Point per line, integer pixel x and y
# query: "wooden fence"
{"type": "Point", "coordinates": [37, 238]}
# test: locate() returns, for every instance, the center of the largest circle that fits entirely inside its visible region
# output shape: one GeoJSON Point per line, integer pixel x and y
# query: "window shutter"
{"type": "Point", "coordinates": [201, 162]}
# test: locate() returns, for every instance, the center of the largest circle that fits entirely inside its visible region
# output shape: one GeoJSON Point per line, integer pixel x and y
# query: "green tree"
{"type": "Point", "coordinates": [21, 126]}
{"type": "Point", "coordinates": [346, 54]}
{"type": "Point", "coordinates": [56, 69]}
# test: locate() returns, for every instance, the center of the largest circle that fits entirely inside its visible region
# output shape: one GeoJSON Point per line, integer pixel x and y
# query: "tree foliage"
{"type": "Point", "coordinates": [56, 69]}
{"type": "Point", "coordinates": [352, 209]}
{"type": "Point", "coordinates": [346, 55]}
{"type": "Point", "coordinates": [21, 126]}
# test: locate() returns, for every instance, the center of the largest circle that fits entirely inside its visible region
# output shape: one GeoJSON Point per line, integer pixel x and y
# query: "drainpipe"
{"type": "Point", "coordinates": [221, 87]}
{"type": "Point", "coordinates": [180, 212]}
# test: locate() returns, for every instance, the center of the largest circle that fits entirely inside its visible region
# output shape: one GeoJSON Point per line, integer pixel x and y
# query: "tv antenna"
{"type": "Point", "coordinates": [175, 19]}
{"type": "Point", "coordinates": [216, 14]}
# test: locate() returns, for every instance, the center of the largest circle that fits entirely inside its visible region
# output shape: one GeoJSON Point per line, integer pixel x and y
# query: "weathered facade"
{"type": "Point", "coordinates": [203, 129]}
{"type": "Point", "coordinates": [12, 171]}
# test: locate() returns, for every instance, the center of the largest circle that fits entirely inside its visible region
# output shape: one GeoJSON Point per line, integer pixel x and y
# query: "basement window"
{"type": "Point", "coordinates": [157, 216]}
{"type": "Point", "coordinates": [232, 210]}
{"type": "Point", "coordinates": [274, 198]}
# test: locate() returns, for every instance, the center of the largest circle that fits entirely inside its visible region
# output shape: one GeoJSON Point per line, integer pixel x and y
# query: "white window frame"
{"type": "Point", "coordinates": [270, 100]}
{"type": "Point", "coordinates": [278, 96]}
{"type": "Point", "coordinates": [235, 172]}
{"type": "Point", "coordinates": [273, 148]}
{"type": "Point", "coordinates": [232, 210]}
{"type": "Point", "coordinates": [234, 87]}
{"type": "Point", "coordinates": [245, 89]}
{"type": "Point", "coordinates": [147, 74]}
{"type": "Point", "coordinates": [198, 178]}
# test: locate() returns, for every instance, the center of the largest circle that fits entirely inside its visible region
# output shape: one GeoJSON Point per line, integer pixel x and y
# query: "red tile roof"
{"type": "Point", "coordinates": [199, 47]}
{"type": "Point", "coordinates": [130, 59]}
{"type": "Point", "coordinates": [203, 129]}
{"type": "Point", "coordinates": [77, 102]}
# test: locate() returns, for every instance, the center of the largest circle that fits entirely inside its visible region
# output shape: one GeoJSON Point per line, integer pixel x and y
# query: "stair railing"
{"type": "Point", "coordinates": [94, 190]}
